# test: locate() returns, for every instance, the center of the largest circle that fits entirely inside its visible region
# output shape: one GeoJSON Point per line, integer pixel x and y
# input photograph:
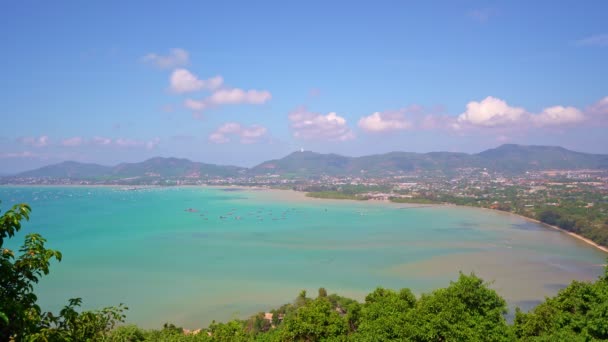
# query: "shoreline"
{"type": "Point", "coordinates": [367, 201]}
{"type": "Point", "coordinates": [529, 219]}
{"type": "Point", "coordinates": [572, 234]}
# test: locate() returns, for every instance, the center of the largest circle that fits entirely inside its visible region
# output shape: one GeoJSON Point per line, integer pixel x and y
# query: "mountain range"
{"type": "Point", "coordinates": [507, 158]}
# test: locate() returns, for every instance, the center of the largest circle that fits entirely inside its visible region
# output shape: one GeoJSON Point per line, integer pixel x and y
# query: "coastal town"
{"type": "Point", "coordinates": [467, 185]}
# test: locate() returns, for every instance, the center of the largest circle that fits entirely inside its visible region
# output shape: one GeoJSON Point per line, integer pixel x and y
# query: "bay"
{"type": "Point", "coordinates": [189, 255]}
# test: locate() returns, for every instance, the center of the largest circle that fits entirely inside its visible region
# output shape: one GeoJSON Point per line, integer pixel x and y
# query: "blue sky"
{"type": "Point", "coordinates": [241, 82]}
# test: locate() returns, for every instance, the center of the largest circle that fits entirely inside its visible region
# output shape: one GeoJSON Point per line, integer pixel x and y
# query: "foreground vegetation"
{"type": "Point", "coordinates": [466, 310]}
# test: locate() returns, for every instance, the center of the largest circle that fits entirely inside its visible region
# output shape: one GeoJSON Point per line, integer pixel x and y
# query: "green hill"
{"type": "Point", "coordinates": [68, 169]}
{"type": "Point", "coordinates": [517, 158]}
{"type": "Point", "coordinates": [508, 158]}
{"type": "Point", "coordinates": [173, 168]}
{"type": "Point", "coordinates": [305, 163]}
{"type": "Point", "coordinates": [149, 169]}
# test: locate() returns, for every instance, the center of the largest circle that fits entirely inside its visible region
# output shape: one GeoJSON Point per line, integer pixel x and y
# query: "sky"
{"type": "Point", "coordinates": [240, 82]}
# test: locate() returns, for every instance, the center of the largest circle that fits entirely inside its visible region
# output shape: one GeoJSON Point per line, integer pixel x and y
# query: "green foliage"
{"type": "Point", "coordinates": [18, 309]}
{"type": "Point", "coordinates": [21, 319]}
{"type": "Point", "coordinates": [315, 321]}
{"type": "Point", "coordinates": [575, 217]}
{"type": "Point", "coordinates": [549, 216]}
{"type": "Point", "coordinates": [384, 316]}
{"type": "Point", "coordinates": [127, 333]}
{"type": "Point", "coordinates": [467, 310]}
{"type": "Point", "coordinates": [228, 332]}
{"type": "Point", "coordinates": [71, 325]}
{"type": "Point", "coordinates": [580, 310]}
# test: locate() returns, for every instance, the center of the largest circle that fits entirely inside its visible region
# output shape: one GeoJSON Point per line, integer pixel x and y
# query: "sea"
{"type": "Point", "coordinates": [191, 255]}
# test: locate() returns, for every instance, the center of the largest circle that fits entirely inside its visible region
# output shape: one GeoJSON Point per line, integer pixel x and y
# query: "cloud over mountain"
{"type": "Point", "coordinates": [40, 141]}
{"type": "Point", "coordinates": [490, 112]}
{"type": "Point", "coordinates": [247, 134]}
{"type": "Point", "coordinates": [308, 126]}
{"type": "Point", "coordinates": [385, 121]}
{"type": "Point", "coordinates": [558, 115]}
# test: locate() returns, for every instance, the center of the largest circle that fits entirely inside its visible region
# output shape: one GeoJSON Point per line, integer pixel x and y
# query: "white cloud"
{"type": "Point", "coordinates": [95, 141]}
{"type": "Point", "coordinates": [218, 138]}
{"type": "Point", "coordinates": [229, 96]}
{"type": "Point", "coordinates": [385, 121]}
{"type": "Point", "coordinates": [125, 142]}
{"type": "Point", "coordinates": [175, 58]}
{"type": "Point", "coordinates": [195, 105]}
{"type": "Point", "coordinates": [496, 113]}
{"type": "Point", "coordinates": [558, 115]}
{"type": "Point", "coordinates": [72, 142]}
{"type": "Point", "coordinates": [596, 40]}
{"type": "Point", "coordinates": [237, 96]}
{"type": "Point", "coordinates": [24, 154]}
{"type": "Point", "coordinates": [247, 135]}
{"type": "Point", "coordinates": [183, 81]}
{"type": "Point", "coordinates": [306, 125]}
{"type": "Point", "coordinates": [251, 134]}
{"type": "Point", "coordinates": [101, 141]}
{"type": "Point", "coordinates": [599, 109]}
{"type": "Point", "coordinates": [40, 141]}
{"type": "Point", "coordinates": [437, 122]}
{"type": "Point", "coordinates": [135, 143]}
{"type": "Point", "coordinates": [490, 112]}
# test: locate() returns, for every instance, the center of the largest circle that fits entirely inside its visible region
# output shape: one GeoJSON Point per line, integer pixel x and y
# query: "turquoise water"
{"type": "Point", "coordinates": [189, 255]}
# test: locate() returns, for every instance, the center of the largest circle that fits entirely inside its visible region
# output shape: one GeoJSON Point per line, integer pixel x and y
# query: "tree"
{"type": "Point", "coordinates": [467, 310]}
{"type": "Point", "coordinates": [549, 216]}
{"type": "Point", "coordinates": [579, 310]}
{"type": "Point", "coordinates": [19, 313]}
{"type": "Point", "coordinates": [127, 333]}
{"type": "Point", "coordinates": [314, 321]}
{"type": "Point", "coordinates": [20, 317]}
{"type": "Point", "coordinates": [71, 325]}
{"type": "Point", "coordinates": [232, 331]}
{"type": "Point", "coordinates": [384, 316]}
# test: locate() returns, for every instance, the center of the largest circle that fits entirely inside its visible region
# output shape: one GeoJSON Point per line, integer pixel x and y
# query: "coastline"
{"type": "Point", "coordinates": [572, 234]}
{"type": "Point", "coordinates": [529, 219]}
